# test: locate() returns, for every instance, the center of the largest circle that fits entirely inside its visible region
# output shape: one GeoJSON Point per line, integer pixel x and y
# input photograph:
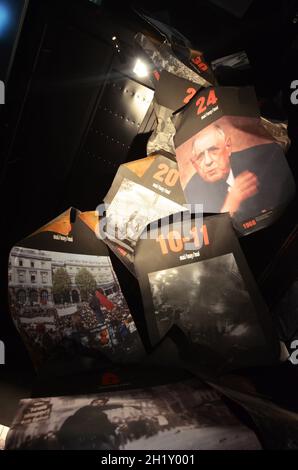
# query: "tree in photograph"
{"type": "Point", "coordinates": [61, 286]}
{"type": "Point", "coordinates": [86, 283]}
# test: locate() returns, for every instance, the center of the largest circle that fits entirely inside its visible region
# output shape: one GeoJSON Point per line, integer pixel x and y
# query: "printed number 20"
{"type": "Point", "coordinates": [166, 175]}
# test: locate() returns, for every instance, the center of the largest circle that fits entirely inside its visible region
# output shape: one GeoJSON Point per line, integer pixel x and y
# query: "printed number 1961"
{"type": "Point", "coordinates": [174, 241]}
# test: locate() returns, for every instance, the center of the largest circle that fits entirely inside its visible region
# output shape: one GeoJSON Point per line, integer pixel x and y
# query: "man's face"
{"type": "Point", "coordinates": [98, 402]}
{"type": "Point", "coordinates": [211, 155]}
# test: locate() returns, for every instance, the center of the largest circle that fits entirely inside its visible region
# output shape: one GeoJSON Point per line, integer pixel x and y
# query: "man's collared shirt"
{"type": "Point", "coordinates": [230, 180]}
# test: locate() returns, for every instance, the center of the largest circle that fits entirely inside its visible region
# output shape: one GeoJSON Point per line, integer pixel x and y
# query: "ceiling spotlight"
{"type": "Point", "coordinates": [114, 38]}
{"type": "Point", "coordinates": [140, 69]}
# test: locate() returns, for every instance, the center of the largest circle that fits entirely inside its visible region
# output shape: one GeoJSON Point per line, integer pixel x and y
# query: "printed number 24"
{"type": "Point", "coordinates": [203, 102]}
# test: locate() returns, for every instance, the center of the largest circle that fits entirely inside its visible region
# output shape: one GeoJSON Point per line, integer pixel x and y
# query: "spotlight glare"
{"type": "Point", "coordinates": [5, 17]}
{"type": "Point", "coordinates": [140, 69]}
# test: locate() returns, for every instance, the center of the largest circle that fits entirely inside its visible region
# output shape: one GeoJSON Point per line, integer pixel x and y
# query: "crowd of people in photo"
{"type": "Point", "coordinates": [100, 322]}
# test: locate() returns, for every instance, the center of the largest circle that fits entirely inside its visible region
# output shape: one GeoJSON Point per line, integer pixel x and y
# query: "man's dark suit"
{"type": "Point", "coordinates": [268, 163]}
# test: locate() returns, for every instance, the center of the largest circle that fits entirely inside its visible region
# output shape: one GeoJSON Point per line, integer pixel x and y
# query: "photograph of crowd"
{"type": "Point", "coordinates": [64, 298]}
{"type": "Point", "coordinates": [209, 302]}
{"type": "Point", "coordinates": [185, 415]}
{"type": "Point", "coordinates": [132, 209]}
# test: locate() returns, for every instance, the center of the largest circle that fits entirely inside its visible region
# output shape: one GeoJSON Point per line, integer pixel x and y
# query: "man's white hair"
{"type": "Point", "coordinates": [217, 128]}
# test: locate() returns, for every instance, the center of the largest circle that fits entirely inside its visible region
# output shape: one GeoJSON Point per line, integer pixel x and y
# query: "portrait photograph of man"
{"type": "Point", "coordinates": [233, 165]}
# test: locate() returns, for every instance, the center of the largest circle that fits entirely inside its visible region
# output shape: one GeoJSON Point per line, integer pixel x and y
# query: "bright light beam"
{"type": "Point", "coordinates": [140, 69]}
{"type": "Point", "coordinates": [5, 16]}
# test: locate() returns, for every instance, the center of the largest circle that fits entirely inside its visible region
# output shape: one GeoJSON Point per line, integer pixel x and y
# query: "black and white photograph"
{"type": "Point", "coordinates": [132, 209]}
{"type": "Point", "coordinates": [71, 298]}
{"type": "Point", "coordinates": [209, 302]}
{"type": "Point", "coordinates": [186, 415]}
{"type": "Point", "coordinates": [3, 434]}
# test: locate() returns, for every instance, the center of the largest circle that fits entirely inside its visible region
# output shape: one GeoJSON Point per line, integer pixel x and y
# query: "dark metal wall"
{"type": "Point", "coordinates": [81, 113]}
{"type": "Point", "coordinates": [74, 110]}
